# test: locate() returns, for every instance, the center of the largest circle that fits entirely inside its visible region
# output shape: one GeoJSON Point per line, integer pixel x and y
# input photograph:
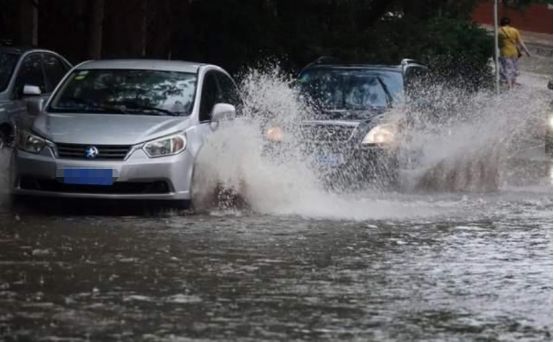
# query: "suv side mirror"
{"type": "Point", "coordinates": [31, 90]}
{"type": "Point", "coordinates": [223, 111]}
{"type": "Point", "coordinates": [35, 106]}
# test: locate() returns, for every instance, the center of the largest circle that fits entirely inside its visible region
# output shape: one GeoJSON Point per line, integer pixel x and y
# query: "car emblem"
{"type": "Point", "coordinates": [91, 152]}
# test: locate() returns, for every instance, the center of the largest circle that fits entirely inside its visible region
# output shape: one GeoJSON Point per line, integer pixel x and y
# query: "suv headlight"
{"type": "Point", "coordinates": [28, 142]}
{"type": "Point", "coordinates": [380, 134]}
{"type": "Point", "coordinates": [166, 146]}
{"type": "Point", "coordinates": [275, 134]}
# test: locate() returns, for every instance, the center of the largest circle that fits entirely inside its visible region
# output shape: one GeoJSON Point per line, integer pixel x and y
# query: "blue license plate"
{"type": "Point", "coordinates": [329, 159]}
{"type": "Point", "coordinates": [88, 176]}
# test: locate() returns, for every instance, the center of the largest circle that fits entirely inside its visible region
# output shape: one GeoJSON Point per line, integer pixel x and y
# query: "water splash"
{"type": "Point", "coordinates": [482, 141]}
{"type": "Point", "coordinates": [465, 142]}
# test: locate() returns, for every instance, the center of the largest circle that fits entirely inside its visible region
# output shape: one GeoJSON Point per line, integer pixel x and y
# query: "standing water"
{"type": "Point", "coordinates": [463, 251]}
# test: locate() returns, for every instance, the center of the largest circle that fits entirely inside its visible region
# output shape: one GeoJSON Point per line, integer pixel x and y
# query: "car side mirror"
{"type": "Point", "coordinates": [31, 90]}
{"type": "Point", "coordinates": [35, 106]}
{"type": "Point", "coordinates": [223, 111]}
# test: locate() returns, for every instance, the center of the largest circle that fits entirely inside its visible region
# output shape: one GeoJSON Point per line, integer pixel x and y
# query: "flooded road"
{"type": "Point", "coordinates": [464, 256]}
{"type": "Point", "coordinates": [479, 267]}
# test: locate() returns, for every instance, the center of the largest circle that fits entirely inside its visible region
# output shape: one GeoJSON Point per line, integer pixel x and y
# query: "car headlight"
{"type": "Point", "coordinates": [28, 142]}
{"type": "Point", "coordinates": [380, 134]}
{"type": "Point", "coordinates": [166, 146]}
{"type": "Point", "coordinates": [275, 134]}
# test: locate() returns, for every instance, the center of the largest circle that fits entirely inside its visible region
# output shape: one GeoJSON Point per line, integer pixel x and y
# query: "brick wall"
{"type": "Point", "coordinates": [534, 18]}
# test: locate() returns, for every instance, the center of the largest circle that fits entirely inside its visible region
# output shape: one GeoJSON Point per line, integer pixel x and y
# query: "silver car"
{"type": "Point", "coordinates": [122, 129]}
{"type": "Point", "coordinates": [26, 75]}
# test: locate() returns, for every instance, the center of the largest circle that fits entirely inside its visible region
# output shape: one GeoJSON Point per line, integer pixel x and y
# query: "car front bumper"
{"type": "Point", "coordinates": [343, 166]}
{"type": "Point", "coordinates": [136, 177]}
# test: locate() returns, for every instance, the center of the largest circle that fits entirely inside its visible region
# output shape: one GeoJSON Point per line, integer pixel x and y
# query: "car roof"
{"type": "Point", "coordinates": [141, 64]}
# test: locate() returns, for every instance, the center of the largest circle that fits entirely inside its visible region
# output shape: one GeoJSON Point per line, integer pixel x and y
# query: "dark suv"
{"type": "Point", "coordinates": [26, 75]}
{"type": "Point", "coordinates": [347, 139]}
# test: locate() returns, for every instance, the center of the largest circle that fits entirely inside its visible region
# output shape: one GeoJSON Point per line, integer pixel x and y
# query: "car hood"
{"type": "Point", "coordinates": [106, 129]}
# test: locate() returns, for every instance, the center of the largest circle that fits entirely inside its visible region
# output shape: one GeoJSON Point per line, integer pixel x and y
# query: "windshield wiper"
{"type": "Point", "coordinates": [153, 109]}
{"type": "Point", "coordinates": [135, 107]}
{"type": "Point", "coordinates": [88, 106]}
{"type": "Point", "coordinates": [390, 99]}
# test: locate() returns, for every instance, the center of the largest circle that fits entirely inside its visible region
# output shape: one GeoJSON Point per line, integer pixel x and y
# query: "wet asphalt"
{"type": "Point", "coordinates": [478, 269]}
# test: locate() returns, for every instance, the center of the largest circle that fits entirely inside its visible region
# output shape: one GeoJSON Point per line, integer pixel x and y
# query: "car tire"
{"type": "Point", "coordinates": [4, 138]}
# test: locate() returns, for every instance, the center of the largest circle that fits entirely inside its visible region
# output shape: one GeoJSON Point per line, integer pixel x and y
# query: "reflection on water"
{"type": "Point", "coordinates": [480, 270]}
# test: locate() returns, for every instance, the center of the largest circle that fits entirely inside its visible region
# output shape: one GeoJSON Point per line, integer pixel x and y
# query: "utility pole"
{"type": "Point", "coordinates": [496, 62]}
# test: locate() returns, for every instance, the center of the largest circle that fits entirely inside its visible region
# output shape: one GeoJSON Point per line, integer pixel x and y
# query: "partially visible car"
{"type": "Point", "coordinates": [26, 75]}
{"type": "Point", "coordinates": [122, 129]}
{"type": "Point", "coordinates": [347, 140]}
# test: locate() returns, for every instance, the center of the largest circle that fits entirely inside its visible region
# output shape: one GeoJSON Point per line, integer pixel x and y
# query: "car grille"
{"type": "Point", "coordinates": [326, 133]}
{"type": "Point", "coordinates": [105, 152]}
{"type": "Point", "coordinates": [121, 188]}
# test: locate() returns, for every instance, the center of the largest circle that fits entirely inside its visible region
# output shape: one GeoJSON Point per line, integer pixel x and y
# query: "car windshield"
{"type": "Point", "coordinates": [352, 89]}
{"type": "Point", "coordinates": [121, 91]}
{"type": "Point", "coordinates": [7, 66]}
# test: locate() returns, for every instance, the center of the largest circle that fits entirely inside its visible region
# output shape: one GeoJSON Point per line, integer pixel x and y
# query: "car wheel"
{"type": "Point", "coordinates": [204, 189]}
{"type": "Point", "coordinates": [4, 138]}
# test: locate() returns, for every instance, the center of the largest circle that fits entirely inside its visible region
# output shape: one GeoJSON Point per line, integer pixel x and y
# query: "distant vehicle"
{"type": "Point", "coordinates": [347, 140]}
{"type": "Point", "coordinates": [26, 75]}
{"type": "Point", "coordinates": [122, 129]}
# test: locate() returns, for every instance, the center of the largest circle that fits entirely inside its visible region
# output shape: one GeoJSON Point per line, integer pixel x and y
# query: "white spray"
{"type": "Point", "coordinates": [469, 147]}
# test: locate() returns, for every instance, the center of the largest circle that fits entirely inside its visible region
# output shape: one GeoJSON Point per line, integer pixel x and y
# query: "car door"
{"type": "Point", "coordinates": [209, 96]}
{"type": "Point", "coordinates": [414, 75]}
{"type": "Point", "coordinates": [229, 91]}
{"type": "Point", "coordinates": [54, 70]}
{"type": "Point", "coordinates": [30, 72]}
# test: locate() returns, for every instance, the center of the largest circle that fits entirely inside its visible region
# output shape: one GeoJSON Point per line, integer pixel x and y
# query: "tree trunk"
{"type": "Point", "coordinates": [143, 26]}
{"type": "Point", "coordinates": [28, 21]}
{"type": "Point", "coordinates": [96, 29]}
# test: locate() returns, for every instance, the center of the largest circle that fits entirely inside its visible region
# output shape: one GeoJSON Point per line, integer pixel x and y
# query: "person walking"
{"type": "Point", "coordinates": [511, 46]}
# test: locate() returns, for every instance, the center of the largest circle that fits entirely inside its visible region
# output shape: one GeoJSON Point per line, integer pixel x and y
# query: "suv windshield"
{"type": "Point", "coordinates": [352, 89]}
{"type": "Point", "coordinates": [119, 91]}
{"type": "Point", "coordinates": [7, 65]}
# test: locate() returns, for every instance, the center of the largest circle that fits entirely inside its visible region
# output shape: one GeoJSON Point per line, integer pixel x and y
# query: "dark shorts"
{"type": "Point", "coordinates": [508, 68]}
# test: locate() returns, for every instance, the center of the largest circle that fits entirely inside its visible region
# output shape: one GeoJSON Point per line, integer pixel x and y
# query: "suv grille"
{"type": "Point", "coordinates": [326, 133]}
{"type": "Point", "coordinates": [105, 152]}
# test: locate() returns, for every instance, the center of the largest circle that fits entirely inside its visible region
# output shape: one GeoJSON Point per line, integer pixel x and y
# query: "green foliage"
{"type": "Point", "coordinates": [239, 33]}
{"type": "Point", "coordinates": [456, 49]}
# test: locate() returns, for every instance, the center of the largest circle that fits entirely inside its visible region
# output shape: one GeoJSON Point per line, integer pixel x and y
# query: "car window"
{"type": "Point", "coordinates": [30, 73]}
{"type": "Point", "coordinates": [415, 74]}
{"type": "Point", "coordinates": [362, 92]}
{"type": "Point", "coordinates": [210, 96]}
{"type": "Point", "coordinates": [351, 89]}
{"type": "Point", "coordinates": [229, 91]}
{"type": "Point", "coordinates": [54, 69]}
{"type": "Point", "coordinates": [8, 61]}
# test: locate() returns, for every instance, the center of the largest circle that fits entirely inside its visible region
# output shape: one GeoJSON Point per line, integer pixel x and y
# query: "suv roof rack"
{"type": "Point", "coordinates": [326, 60]}
{"type": "Point", "coordinates": [406, 61]}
